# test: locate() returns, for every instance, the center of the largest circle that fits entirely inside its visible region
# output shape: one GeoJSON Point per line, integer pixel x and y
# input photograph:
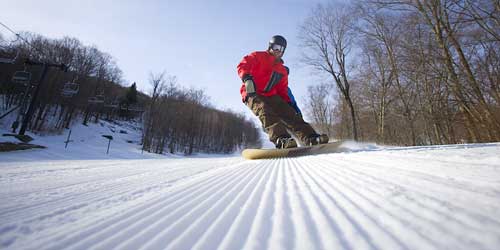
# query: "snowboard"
{"type": "Point", "coordinates": [254, 154]}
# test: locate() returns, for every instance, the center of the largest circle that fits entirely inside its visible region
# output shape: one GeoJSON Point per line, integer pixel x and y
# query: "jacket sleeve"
{"type": "Point", "coordinates": [293, 102]}
{"type": "Point", "coordinates": [246, 66]}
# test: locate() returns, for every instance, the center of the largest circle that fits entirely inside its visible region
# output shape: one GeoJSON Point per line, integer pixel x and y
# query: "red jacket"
{"type": "Point", "coordinates": [270, 77]}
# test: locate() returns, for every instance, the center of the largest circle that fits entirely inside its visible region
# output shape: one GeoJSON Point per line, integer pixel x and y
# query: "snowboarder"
{"type": "Point", "coordinates": [265, 92]}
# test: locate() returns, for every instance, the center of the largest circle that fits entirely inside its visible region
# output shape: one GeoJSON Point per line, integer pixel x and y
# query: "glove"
{"type": "Point", "coordinates": [249, 86]}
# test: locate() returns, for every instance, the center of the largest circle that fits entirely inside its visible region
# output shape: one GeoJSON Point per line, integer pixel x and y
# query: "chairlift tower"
{"type": "Point", "coordinates": [19, 77]}
{"type": "Point", "coordinates": [31, 107]}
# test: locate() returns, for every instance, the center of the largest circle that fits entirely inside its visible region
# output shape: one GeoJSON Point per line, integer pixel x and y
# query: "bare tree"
{"type": "Point", "coordinates": [428, 71]}
{"type": "Point", "coordinates": [327, 34]}
{"type": "Point", "coordinates": [157, 82]}
{"type": "Point", "coordinates": [378, 80]}
{"type": "Point", "coordinates": [321, 107]}
{"type": "Point", "coordinates": [385, 30]}
{"type": "Point", "coordinates": [447, 21]}
{"type": "Point", "coordinates": [486, 13]}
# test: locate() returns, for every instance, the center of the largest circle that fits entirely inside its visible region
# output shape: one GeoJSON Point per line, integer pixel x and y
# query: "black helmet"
{"type": "Point", "coordinates": [277, 40]}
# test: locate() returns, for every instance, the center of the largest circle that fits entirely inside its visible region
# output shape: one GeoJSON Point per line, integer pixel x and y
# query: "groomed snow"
{"type": "Point", "coordinates": [441, 197]}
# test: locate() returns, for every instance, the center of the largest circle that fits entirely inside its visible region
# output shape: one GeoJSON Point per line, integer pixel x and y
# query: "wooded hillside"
{"type": "Point", "coordinates": [408, 72]}
{"type": "Point", "coordinates": [84, 82]}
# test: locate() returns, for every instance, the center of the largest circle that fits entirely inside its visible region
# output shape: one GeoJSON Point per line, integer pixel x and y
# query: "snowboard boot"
{"type": "Point", "coordinates": [316, 139]}
{"type": "Point", "coordinates": [285, 142]}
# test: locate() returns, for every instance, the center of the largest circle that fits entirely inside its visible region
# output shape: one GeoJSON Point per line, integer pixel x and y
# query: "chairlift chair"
{"type": "Point", "coordinates": [96, 99]}
{"type": "Point", "coordinates": [100, 98]}
{"type": "Point", "coordinates": [70, 88]}
{"type": "Point", "coordinates": [67, 95]}
{"type": "Point", "coordinates": [10, 60]}
{"type": "Point", "coordinates": [21, 77]}
{"type": "Point", "coordinates": [7, 60]}
{"type": "Point", "coordinates": [113, 104]}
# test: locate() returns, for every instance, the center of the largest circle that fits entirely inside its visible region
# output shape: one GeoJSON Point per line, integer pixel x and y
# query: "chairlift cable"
{"type": "Point", "coordinates": [22, 38]}
{"type": "Point", "coordinates": [7, 27]}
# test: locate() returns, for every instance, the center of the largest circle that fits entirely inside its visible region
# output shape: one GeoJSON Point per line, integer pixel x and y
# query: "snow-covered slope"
{"type": "Point", "coordinates": [86, 142]}
{"type": "Point", "coordinates": [443, 197]}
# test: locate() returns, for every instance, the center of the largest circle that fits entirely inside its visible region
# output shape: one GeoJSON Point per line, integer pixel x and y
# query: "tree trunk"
{"type": "Point", "coordinates": [354, 130]}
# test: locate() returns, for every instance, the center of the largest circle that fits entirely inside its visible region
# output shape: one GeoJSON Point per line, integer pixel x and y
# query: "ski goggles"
{"type": "Point", "coordinates": [277, 47]}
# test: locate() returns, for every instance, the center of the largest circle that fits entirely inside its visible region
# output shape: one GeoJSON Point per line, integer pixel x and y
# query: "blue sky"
{"type": "Point", "coordinates": [200, 42]}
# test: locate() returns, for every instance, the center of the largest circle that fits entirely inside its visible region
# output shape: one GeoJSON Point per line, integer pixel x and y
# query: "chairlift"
{"type": "Point", "coordinates": [67, 95]}
{"type": "Point", "coordinates": [113, 104]}
{"type": "Point", "coordinates": [100, 98]}
{"type": "Point", "coordinates": [7, 60]}
{"type": "Point", "coordinates": [10, 60]}
{"type": "Point", "coordinates": [70, 88]}
{"type": "Point", "coordinates": [21, 77]}
{"type": "Point", "coordinates": [96, 99]}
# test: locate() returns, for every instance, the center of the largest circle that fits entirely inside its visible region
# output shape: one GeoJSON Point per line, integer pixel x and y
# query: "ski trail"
{"type": "Point", "coordinates": [243, 223]}
{"type": "Point", "coordinates": [169, 227]}
{"type": "Point", "coordinates": [304, 208]}
{"type": "Point", "coordinates": [94, 187]}
{"type": "Point", "coordinates": [427, 189]}
{"type": "Point", "coordinates": [230, 224]}
{"type": "Point", "coordinates": [384, 221]}
{"type": "Point", "coordinates": [282, 226]}
{"type": "Point", "coordinates": [332, 235]}
{"type": "Point", "coordinates": [399, 199]}
{"type": "Point", "coordinates": [442, 215]}
{"type": "Point", "coordinates": [258, 238]}
{"type": "Point", "coordinates": [131, 220]}
{"type": "Point", "coordinates": [165, 215]}
{"type": "Point", "coordinates": [218, 210]}
{"type": "Point", "coordinates": [447, 180]}
{"type": "Point", "coordinates": [356, 222]}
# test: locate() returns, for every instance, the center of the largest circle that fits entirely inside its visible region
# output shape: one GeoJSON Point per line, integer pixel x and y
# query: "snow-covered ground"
{"type": "Point", "coordinates": [372, 197]}
{"type": "Point", "coordinates": [86, 142]}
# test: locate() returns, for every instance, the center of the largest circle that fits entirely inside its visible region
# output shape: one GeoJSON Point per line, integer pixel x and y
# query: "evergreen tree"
{"type": "Point", "coordinates": [131, 96]}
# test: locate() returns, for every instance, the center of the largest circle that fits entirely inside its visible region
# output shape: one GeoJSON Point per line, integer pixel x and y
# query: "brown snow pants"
{"type": "Point", "coordinates": [277, 116]}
